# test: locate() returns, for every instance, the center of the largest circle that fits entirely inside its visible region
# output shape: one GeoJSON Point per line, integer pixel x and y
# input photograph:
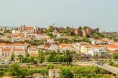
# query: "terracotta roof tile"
{"type": "Point", "coordinates": [18, 49]}
{"type": "Point", "coordinates": [28, 28]}
{"type": "Point", "coordinates": [6, 49]}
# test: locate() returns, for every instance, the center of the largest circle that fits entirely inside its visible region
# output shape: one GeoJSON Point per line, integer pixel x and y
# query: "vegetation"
{"type": "Point", "coordinates": [15, 70]}
{"type": "Point", "coordinates": [113, 64]}
{"type": "Point", "coordinates": [12, 58]}
{"type": "Point", "coordinates": [66, 73]}
{"type": "Point", "coordinates": [115, 56]}
{"type": "Point", "coordinates": [41, 57]}
{"type": "Point", "coordinates": [66, 56]}
{"type": "Point", "coordinates": [37, 42]}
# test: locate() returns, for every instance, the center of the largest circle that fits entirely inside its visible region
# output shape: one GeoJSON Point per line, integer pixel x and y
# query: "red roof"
{"type": "Point", "coordinates": [28, 28]}
{"type": "Point", "coordinates": [113, 46]}
{"type": "Point", "coordinates": [42, 35]}
{"type": "Point", "coordinates": [15, 44]}
{"type": "Point", "coordinates": [18, 49]}
{"type": "Point", "coordinates": [6, 49]}
{"type": "Point", "coordinates": [33, 54]}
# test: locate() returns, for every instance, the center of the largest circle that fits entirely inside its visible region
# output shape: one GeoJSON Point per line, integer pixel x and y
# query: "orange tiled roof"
{"type": "Point", "coordinates": [2, 44]}
{"type": "Point", "coordinates": [46, 47]}
{"type": "Point", "coordinates": [28, 28]}
{"type": "Point", "coordinates": [64, 45]}
{"type": "Point", "coordinates": [42, 35]}
{"type": "Point", "coordinates": [33, 54]}
{"type": "Point", "coordinates": [15, 44]}
{"type": "Point", "coordinates": [6, 49]}
{"type": "Point", "coordinates": [18, 49]}
{"type": "Point", "coordinates": [18, 35]}
{"type": "Point", "coordinates": [113, 46]}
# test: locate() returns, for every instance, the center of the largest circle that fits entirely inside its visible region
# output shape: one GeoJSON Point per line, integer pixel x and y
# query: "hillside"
{"type": "Point", "coordinates": [114, 35]}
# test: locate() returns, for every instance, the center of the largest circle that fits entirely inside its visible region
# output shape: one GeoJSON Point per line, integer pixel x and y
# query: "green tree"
{"type": "Point", "coordinates": [31, 59]}
{"type": "Point", "coordinates": [20, 57]}
{"type": "Point", "coordinates": [51, 57]}
{"type": "Point", "coordinates": [14, 70]}
{"type": "Point", "coordinates": [66, 73]}
{"type": "Point", "coordinates": [22, 72]}
{"type": "Point", "coordinates": [41, 57]}
{"type": "Point", "coordinates": [50, 66]}
{"type": "Point", "coordinates": [27, 55]}
{"type": "Point", "coordinates": [1, 72]}
{"type": "Point", "coordinates": [68, 56]}
{"type": "Point", "coordinates": [12, 58]}
{"type": "Point", "coordinates": [80, 28]}
{"type": "Point", "coordinates": [24, 60]}
{"type": "Point", "coordinates": [115, 56]}
{"type": "Point", "coordinates": [85, 27]}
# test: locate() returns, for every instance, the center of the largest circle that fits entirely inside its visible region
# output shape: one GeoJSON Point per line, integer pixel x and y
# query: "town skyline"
{"type": "Point", "coordinates": [101, 14]}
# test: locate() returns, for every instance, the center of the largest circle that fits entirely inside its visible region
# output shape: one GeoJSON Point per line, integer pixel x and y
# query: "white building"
{"type": "Point", "coordinates": [54, 73]}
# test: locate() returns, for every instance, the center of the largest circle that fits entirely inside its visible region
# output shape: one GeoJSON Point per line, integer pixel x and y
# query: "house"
{"type": "Point", "coordinates": [17, 37]}
{"type": "Point", "coordinates": [76, 46]}
{"type": "Point", "coordinates": [42, 36]}
{"type": "Point", "coordinates": [41, 46]}
{"type": "Point", "coordinates": [5, 38]}
{"type": "Point", "coordinates": [64, 47]}
{"type": "Point", "coordinates": [53, 73]}
{"type": "Point", "coordinates": [13, 45]}
{"type": "Point", "coordinates": [84, 48]}
{"type": "Point", "coordinates": [68, 48]}
{"type": "Point", "coordinates": [99, 51]}
{"type": "Point", "coordinates": [112, 47]}
{"type": "Point", "coordinates": [18, 51]}
{"type": "Point", "coordinates": [5, 54]}
{"type": "Point", "coordinates": [50, 41]}
{"type": "Point", "coordinates": [54, 47]}
{"type": "Point", "coordinates": [16, 31]}
{"type": "Point", "coordinates": [33, 51]}
{"type": "Point", "coordinates": [28, 29]}
{"type": "Point", "coordinates": [17, 48]}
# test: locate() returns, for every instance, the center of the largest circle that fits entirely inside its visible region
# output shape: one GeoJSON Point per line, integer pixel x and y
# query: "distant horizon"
{"type": "Point", "coordinates": [56, 26]}
{"type": "Point", "coordinates": [101, 14]}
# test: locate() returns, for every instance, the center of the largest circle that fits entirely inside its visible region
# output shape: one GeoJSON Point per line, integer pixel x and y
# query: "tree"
{"type": "Point", "coordinates": [68, 56]}
{"type": "Point", "coordinates": [115, 56]}
{"type": "Point", "coordinates": [24, 60]}
{"type": "Point", "coordinates": [1, 73]}
{"type": "Point", "coordinates": [51, 57]}
{"type": "Point", "coordinates": [14, 70]}
{"type": "Point", "coordinates": [20, 57]}
{"type": "Point", "coordinates": [80, 28]}
{"type": "Point", "coordinates": [50, 66]}
{"type": "Point", "coordinates": [85, 27]}
{"type": "Point", "coordinates": [22, 72]}
{"type": "Point", "coordinates": [66, 73]}
{"type": "Point", "coordinates": [31, 59]}
{"type": "Point", "coordinates": [41, 57]}
{"type": "Point", "coordinates": [27, 55]}
{"type": "Point", "coordinates": [12, 57]}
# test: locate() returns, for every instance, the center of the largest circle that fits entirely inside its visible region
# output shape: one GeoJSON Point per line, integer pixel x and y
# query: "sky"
{"type": "Point", "coordinates": [101, 14]}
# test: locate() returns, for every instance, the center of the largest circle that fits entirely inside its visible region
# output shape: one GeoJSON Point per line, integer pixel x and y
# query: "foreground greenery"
{"type": "Point", "coordinates": [113, 64]}
{"type": "Point", "coordinates": [15, 70]}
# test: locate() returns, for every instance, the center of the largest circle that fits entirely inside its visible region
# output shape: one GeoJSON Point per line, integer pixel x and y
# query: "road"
{"type": "Point", "coordinates": [109, 68]}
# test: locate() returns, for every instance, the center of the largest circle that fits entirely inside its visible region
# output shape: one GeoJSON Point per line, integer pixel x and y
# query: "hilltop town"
{"type": "Point", "coordinates": [58, 45]}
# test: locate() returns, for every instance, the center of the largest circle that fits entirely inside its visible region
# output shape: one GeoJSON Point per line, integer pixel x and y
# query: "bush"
{"type": "Point", "coordinates": [111, 63]}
